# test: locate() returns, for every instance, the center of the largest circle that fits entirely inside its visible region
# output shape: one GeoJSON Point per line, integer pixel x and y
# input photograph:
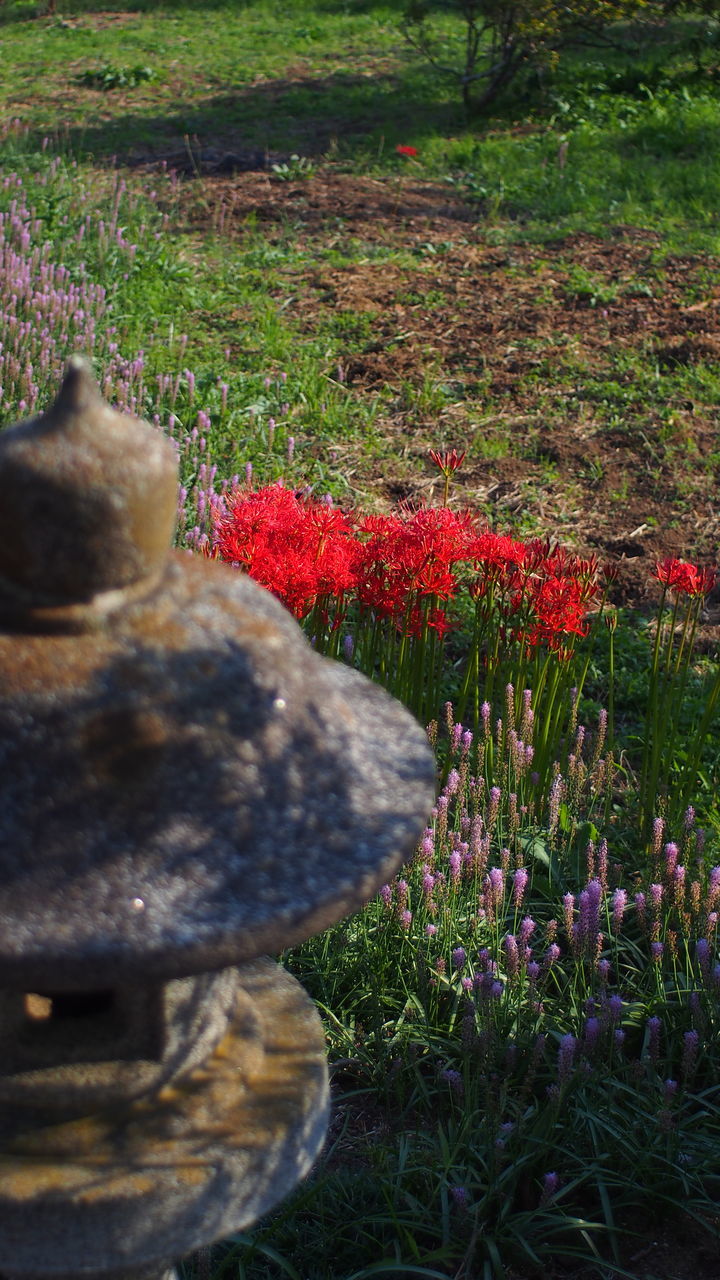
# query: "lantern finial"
{"type": "Point", "coordinates": [88, 498]}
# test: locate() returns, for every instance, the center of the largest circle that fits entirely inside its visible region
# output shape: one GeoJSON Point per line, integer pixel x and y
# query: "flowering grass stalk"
{"type": "Point", "coordinates": [539, 997]}
{"type": "Point", "coordinates": [671, 755]}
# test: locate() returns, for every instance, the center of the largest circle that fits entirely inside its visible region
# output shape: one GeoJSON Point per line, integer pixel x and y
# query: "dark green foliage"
{"type": "Point", "coordinates": [109, 76]}
{"type": "Point", "coordinates": [483, 45]}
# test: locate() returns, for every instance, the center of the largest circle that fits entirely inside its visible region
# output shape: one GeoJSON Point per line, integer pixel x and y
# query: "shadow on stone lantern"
{"type": "Point", "coordinates": [184, 787]}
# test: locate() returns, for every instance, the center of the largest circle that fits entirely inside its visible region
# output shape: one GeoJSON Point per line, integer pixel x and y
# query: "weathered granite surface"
{"type": "Point", "coordinates": [184, 783]}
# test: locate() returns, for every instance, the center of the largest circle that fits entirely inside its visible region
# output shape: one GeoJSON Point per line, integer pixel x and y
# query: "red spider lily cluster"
{"type": "Point", "coordinates": [684, 578]}
{"type": "Point", "coordinates": [405, 567]}
{"type": "Point", "coordinates": [298, 548]}
{"type": "Point", "coordinates": [404, 150]}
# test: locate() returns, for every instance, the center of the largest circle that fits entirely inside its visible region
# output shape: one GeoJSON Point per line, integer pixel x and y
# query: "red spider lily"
{"type": "Point", "coordinates": [449, 461]}
{"type": "Point", "coordinates": [403, 150]}
{"type": "Point", "coordinates": [559, 608]}
{"type": "Point", "coordinates": [550, 558]}
{"type": "Point", "coordinates": [418, 620]}
{"type": "Point", "coordinates": [402, 567]}
{"type": "Point", "coordinates": [685, 578]}
{"type": "Point", "coordinates": [300, 550]}
{"type": "Point", "coordinates": [497, 557]}
{"type": "Point", "coordinates": [497, 550]}
{"type": "Point", "coordinates": [411, 556]}
{"type": "Point", "coordinates": [611, 571]}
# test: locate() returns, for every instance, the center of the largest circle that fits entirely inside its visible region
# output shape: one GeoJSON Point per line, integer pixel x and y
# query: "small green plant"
{"type": "Point", "coordinates": [295, 169]}
{"type": "Point", "coordinates": [108, 76]}
{"type": "Point", "coordinates": [589, 287]}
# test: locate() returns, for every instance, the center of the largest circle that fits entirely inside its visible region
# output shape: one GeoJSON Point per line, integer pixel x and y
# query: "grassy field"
{"type": "Point", "coordinates": [208, 199]}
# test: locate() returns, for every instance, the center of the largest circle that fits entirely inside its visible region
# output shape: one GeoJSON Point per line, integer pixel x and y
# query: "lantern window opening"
{"type": "Point", "coordinates": [44, 1006]}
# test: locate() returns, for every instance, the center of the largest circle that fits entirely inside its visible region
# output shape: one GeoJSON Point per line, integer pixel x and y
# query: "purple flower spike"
{"type": "Point", "coordinates": [497, 883]}
{"type": "Point", "coordinates": [556, 792]}
{"type": "Point", "coordinates": [619, 903]}
{"type": "Point", "coordinates": [520, 882]}
{"type": "Point", "coordinates": [654, 1026]}
{"type": "Point", "coordinates": [671, 856]}
{"type": "Point", "coordinates": [702, 951]}
{"type": "Point", "coordinates": [591, 1034]}
{"type": "Point", "coordinates": [655, 895]}
{"type": "Point", "coordinates": [602, 861]}
{"type": "Point", "coordinates": [459, 957]}
{"type": "Point", "coordinates": [615, 1008]}
{"type": "Point", "coordinates": [566, 1057]}
{"type": "Point", "coordinates": [527, 929]}
{"type": "Point", "coordinates": [494, 806]}
{"type": "Point", "coordinates": [453, 781]}
{"type": "Point", "coordinates": [640, 909]}
{"type": "Point", "coordinates": [454, 1079]}
{"type": "Point", "coordinates": [691, 1046]}
{"type": "Point", "coordinates": [512, 957]}
{"type": "Point", "coordinates": [568, 909]}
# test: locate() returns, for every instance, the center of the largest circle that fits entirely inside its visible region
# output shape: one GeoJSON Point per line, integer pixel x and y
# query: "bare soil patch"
{"type": "Point", "coordinates": [567, 370]}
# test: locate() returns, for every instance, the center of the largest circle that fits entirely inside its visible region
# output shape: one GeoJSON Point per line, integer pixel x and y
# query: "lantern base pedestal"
{"type": "Point", "coordinates": [115, 1195]}
{"type": "Point", "coordinates": [143, 1274]}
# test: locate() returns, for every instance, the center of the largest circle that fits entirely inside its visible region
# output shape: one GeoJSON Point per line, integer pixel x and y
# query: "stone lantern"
{"type": "Point", "coordinates": [185, 786]}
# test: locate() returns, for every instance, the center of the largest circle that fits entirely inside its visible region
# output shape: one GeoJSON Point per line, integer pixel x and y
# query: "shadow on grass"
{"type": "Point", "coordinates": [343, 113]}
{"type": "Point", "coordinates": [26, 10]}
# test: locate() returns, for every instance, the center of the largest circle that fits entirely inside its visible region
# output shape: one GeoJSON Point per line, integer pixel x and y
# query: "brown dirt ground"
{"type": "Point", "coordinates": [520, 352]}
